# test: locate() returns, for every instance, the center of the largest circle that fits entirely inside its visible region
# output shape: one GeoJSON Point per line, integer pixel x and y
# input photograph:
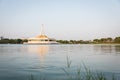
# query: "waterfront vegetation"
{"type": "Point", "coordinates": [84, 73]}
{"type": "Point", "coordinates": [12, 41]}
{"type": "Point", "coordinates": [108, 40]}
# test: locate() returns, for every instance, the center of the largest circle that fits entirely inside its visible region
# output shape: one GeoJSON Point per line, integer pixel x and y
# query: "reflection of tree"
{"type": "Point", "coordinates": [103, 48]}
{"type": "Point", "coordinates": [106, 48]}
{"type": "Point", "coordinates": [117, 48]}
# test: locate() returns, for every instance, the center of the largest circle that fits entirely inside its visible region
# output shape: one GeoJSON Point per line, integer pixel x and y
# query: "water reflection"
{"type": "Point", "coordinates": [40, 50]}
{"type": "Point", "coordinates": [19, 61]}
{"type": "Point", "coordinates": [107, 48]}
{"type": "Point", "coordinates": [117, 49]}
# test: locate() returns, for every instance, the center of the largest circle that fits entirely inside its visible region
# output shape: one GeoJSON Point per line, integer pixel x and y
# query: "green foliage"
{"type": "Point", "coordinates": [117, 40]}
{"type": "Point", "coordinates": [95, 41]}
{"type": "Point", "coordinates": [109, 39]}
{"type": "Point", "coordinates": [4, 41]}
{"type": "Point", "coordinates": [12, 41]}
{"type": "Point", "coordinates": [63, 41]}
{"type": "Point", "coordinates": [73, 42]}
{"type": "Point", "coordinates": [103, 40]}
{"type": "Point", "coordinates": [18, 41]}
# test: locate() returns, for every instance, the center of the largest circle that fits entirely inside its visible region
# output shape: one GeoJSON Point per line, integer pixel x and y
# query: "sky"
{"type": "Point", "coordinates": [62, 19]}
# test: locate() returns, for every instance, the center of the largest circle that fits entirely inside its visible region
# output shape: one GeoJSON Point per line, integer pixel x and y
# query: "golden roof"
{"type": "Point", "coordinates": [41, 36]}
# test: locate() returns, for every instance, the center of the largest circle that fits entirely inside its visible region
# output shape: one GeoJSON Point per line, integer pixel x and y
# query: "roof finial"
{"type": "Point", "coordinates": [42, 29]}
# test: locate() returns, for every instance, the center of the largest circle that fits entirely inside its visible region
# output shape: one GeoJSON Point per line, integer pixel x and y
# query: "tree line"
{"type": "Point", "coordinates": [12, 41]}
{"type": "Point", "coordinates": [94, 41]}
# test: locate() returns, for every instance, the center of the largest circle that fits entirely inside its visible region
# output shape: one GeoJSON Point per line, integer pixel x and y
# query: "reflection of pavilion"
{"type": "Point", "coordinates": [41, 50]}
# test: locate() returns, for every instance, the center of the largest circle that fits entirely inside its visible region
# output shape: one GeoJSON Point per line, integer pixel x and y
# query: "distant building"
{"type": "Point", "coordinates": [1, 37]}
{"type": "Point", "coordinates": [41, 39]}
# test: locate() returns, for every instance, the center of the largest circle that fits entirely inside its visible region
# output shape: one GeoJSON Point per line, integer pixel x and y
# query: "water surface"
{"type": "Point", "coordinates": [18, 62]}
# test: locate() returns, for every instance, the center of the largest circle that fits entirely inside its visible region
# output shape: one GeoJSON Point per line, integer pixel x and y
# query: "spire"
{"type": "Point", "coordinates": [42, 30]}
{"type": "Point", "coordinates": [42, 35]}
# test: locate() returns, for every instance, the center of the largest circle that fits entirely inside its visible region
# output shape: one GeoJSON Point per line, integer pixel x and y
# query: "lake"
{"type": "Point", "coordinates": [19, 62]}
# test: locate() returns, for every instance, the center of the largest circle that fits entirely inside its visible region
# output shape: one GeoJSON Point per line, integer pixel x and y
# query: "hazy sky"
{"type": "Point", "coordinates": [62, 19]}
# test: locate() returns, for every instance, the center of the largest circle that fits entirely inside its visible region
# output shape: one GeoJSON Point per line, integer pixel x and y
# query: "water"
{"type": "Point", "coordinates": [18, 62]}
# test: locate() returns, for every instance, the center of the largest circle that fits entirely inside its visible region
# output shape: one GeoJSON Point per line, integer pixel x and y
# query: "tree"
{"type": "Point", "coordinates": [109, 39]}
{"type": "Point", "coordinates": [117, 40]}
{"type": "Point", "coordinates": [96, 40]}
{"type": "Point", "coordinates": [103, 40]}
{"type": "Point", "coordinates": [19, 41]}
